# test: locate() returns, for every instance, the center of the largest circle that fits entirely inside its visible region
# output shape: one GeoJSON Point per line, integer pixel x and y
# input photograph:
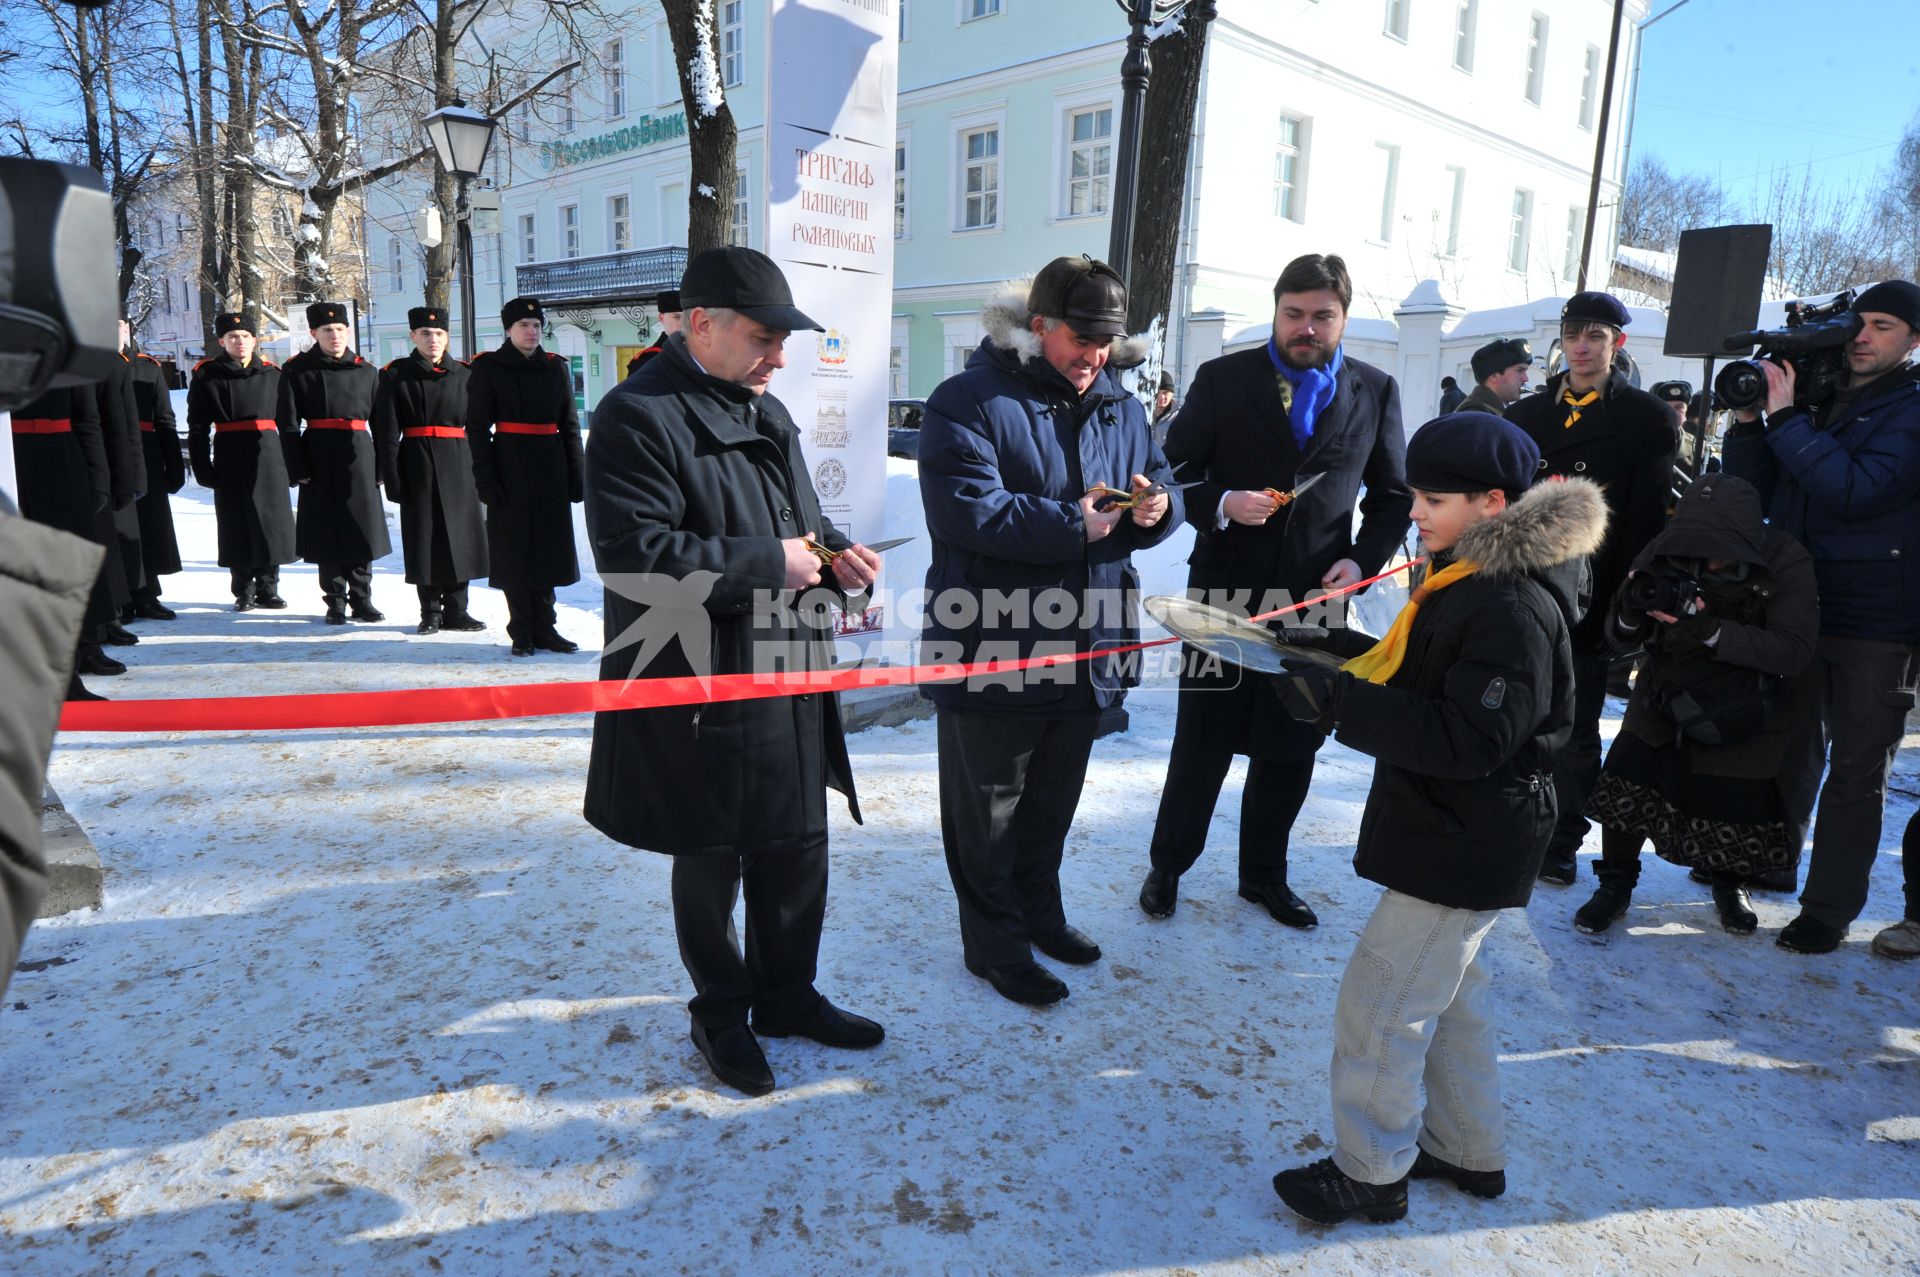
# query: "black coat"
{"type": "Point", "coordinates": [526, 480]}
{"type": "Point", "coordinates": [341, 518]}
{"type": "Point", "coordinates": [63, 477]}
{"type": "Point", "coordinates": [166, 468]}
{"type": "Point", "coordinates": [699, 480]}
{"type": "Point", "coordinates": [247, 469]}
{"type": "Point", "coordinates": [1233, 431]}
{"type": "Point", "coordinates": [442, 533]}
{"type": "Point", "coordinates": [1624, 441]}
{"type": "Point", "coordinates": [1465, 732]}
{"type": "Point", "coordinates": [127, 471]}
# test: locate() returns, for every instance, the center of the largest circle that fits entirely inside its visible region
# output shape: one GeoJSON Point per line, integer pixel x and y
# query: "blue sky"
{"type": "Point", "coordinates": [1740, 89]}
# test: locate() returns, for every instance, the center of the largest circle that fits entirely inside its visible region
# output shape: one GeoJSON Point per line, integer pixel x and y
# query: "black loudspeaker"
{"type": "Point", "coordinates": [1716, 288]}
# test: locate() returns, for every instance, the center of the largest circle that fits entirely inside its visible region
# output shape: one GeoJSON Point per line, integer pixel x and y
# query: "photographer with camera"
{"type": "Point", "coordinates": [1725, 608]}
{"type": "Point", "coordinates": [1843, 477]}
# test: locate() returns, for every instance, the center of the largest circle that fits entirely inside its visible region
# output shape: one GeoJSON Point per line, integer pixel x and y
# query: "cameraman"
{"type": "Point", "coordinates": [1845, 480]}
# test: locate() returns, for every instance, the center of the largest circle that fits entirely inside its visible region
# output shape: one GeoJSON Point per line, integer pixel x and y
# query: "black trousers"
{"type": "Point", "coordinates": [448, 600]}
{"type": "Point", "coordinates": [343, 583]}
{"type": "Point", "coordinates": [786, 895]}
{"type": "Point", "coordinates": [1577, 767]}
{"type": "Point", "coordinates": [1009, 785]}
{"type": "Point", "coordinates": [246, 583]}
{"type": "Point", "coordinates": [1867, 690]}
{"type": "Point", "coordinates": [1270, 802]}
{"type": "Point", "coordinates": [529, 612]}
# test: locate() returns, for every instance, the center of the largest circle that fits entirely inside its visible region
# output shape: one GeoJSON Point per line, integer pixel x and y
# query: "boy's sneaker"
{"type": "Point", "coordinates": [1325, 1194]}
{"type": "Point", "coordinates": [1901, 940]}
{"type": "Point", "coordinates": [1479, 1183]}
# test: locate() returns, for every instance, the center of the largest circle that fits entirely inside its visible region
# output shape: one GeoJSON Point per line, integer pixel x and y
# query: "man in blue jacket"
{"type": "Point", "coordinates": [1845, 479]}
{"type": "Point", "coordinates": [1030, 559]}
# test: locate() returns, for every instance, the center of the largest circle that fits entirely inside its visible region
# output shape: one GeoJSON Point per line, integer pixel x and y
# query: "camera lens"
{"type": "Point", "coordinates": [1740, 385]}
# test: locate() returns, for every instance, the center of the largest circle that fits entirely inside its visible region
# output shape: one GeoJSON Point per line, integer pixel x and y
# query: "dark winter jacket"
{"type": "Point", "coordinates": [1624, 442]}
{"type": "Point", "coordinates": [341, 518]}
{"type": "Point", "coordinates": [442, 534]}
{"type": "Point", "coordinates": [1849, 490]}
{"type": "Point", "coordinates": [60, 462]}
{"type": "Point", "coordinates": [1233, 432]}
{"type": "Point", "coordinates": [1007, 450]}
{"type": "Point", "coordinates": [525, 479]}
{"type": "Point", "coordinates": [1480, 399]}
{"type": "Point", "coordinates": [166, 470]}
{"type": "Point", "coordinates": [120, 434]}
{"type": "Point", "coordinates": [1466, 731]}
{"type": "Point", "coordinates": [1767, 620]}
{"type": "Point", "coordinates": [246, 467]}
{"type": "Point", "coordinates": [693, 485]}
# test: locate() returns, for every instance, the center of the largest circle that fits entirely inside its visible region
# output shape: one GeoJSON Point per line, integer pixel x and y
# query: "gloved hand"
{"type": "Point", "coordinates": [1311, 692]}
{"type": "Point", "coordinates": [1689, 634]}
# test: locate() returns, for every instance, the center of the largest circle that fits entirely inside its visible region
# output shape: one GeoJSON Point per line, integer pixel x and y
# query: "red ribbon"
{"type": "Point", "coordinates": [421, 705]}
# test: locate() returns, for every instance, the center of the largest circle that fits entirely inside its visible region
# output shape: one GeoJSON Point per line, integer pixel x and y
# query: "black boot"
{"type": "Point", "coordinates": [154, 610]}
{"type": "Point", "coordinates": [1607, 906]}
{"type": "Point", "coordinates": [94, 661]}
{"type": "Point", "coordinates": [1736, 911]}
{"type": "Point", "coordinates": [1159, 894]}
{"type": "Point", "coordinates": [77, 691]}
{"type": "Point", "coordinates": [114, 634]}
{"type": "Point", "coordinates": [1278, 899]}
{"type": "Point", "coordinates": [336, 614]}
{"type": "Point", "coordinates": [364, 610]}
{"type": "Point", "coordinates": [550, 640]}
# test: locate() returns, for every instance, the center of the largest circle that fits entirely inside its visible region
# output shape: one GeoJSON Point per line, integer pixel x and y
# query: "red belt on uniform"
{"type": "Point", "coordinates": [335, 423]}
{"type": "Point", "coordinates": [258, 423]}
{"type": "Point", "coordinates": [527, 427]}
{"type": "Point", "coordinates": [146, 427]}
{"type": "Point", "coordinates": [43, 425]}
{"type": "Point", "coordinates": [433, 432]}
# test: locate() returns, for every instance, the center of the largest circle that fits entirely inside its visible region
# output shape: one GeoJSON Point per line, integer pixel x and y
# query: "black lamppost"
{"type": "Point", "coordinates": [1135, 73]}
{"type": "Point", "coordinates": [460, 137]}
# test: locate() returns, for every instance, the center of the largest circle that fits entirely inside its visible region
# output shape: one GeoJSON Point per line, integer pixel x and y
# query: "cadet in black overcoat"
{"type": "Point", "coordinates": [236, 397]}
{"type": "Point", "coordinates": [60, 465]}
{"type": "Point", "coordinates": [166, 474]}
{"type": "Point", "coordinates": [525, 435]}
{"type": "Point", "coordinates": [127, 473]}
{"type": "Point", "coordinates": [419, 425]}
{"type": "Point", "coordinates": [341, 527]}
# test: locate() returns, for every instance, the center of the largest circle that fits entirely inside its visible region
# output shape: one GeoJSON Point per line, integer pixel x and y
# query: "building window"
{"type": "Point", "coordinates": [740, 234]}
{"type": "Point", "coordinates": [896, 372]}
{"type": "Point", "coordinates": [529, 245]}
{"type": "Point", "coordinates": [616, 79]}
{"type": "Point", "coordinates": [1589, 86]}
{"type": "Point", "coordinates": [903, 19]}
{"type": "Point", "coordinates": [1522, 230]}
{"type": "Point", "coordinates": [396, 266]}
{"type": "Point", "coordinates": [1290, 170]}
{"type": "Point", "coordinates": [733, 43]}
{"type": "Point", "coordinates": [980, 178]}
{"type": "Point", "coordinates": [566, 103]}
{"type": "Point", "coordinates": [1389, 188]}
{"type": "Point", "coordinates": [1536, 57]}
{"type": "Point", "coordinates": [971, 9]}
{"type": "Point", "coordinates": [1458, 182]}
{"type": "Point", "coordinates": [900, 188]}
{"type": "Point", "coordinates": [1090, 161]}
{"type": "Point", "coordinates": [570, 230]}
{"type": "Point", "coordinates": [1576, 232]}
{"type": "Point", "coordinates": [1463, 19]}
{"type": "Point", "coordinates": [1396, 20]}
{"type": "Point", "coordinates": [619, 224]}
{"type": "Point", "coordinates": [166, 297]}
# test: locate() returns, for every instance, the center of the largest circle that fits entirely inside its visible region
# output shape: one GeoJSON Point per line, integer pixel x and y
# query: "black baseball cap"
{"type": "Point", "coordinates": [1088, 295]}
{"type": "Point", "coordinates": [741, 279]}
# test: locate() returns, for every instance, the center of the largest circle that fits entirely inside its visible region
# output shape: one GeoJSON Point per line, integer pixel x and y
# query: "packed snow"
{"type": "Point", "coordinates": [380, 1002]}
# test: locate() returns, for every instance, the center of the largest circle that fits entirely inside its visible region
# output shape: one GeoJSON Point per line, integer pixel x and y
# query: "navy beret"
{"type": "Point", "coordinates": [1498, 356]}
{"type": "Point", "coordinates": [1471, 452]}
{"type": "Point", "coordinates": [1895, 297]}
{"type": "Point", "coordinates": [1595, 308]}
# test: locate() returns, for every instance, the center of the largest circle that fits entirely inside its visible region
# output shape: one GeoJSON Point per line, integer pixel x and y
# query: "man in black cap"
{"type": "Point", "coordinates": [341, 526]}
{"type": "Point", "coordinates": [1019, 456]}
{"type": "Point", "coordinates": [166, 474]}
{"type": "Point", "coordinates": [1676, 395]}
{"type": "Point", "coordinates": [1451, 396]}
{"type": "Point", "coordinates": [668, 304]}
{"type": "Point", "coordinates": [1164, 408]}
{"type": "Point", "coordinates": [238, 445]}
{"type": "Point", "coordinates": [1592, 423]}
{"type": "Point", "coordinates": [525, 432]}
{"type": "Point", "coordinates": [419, 426]}
{"type": "Point", "coordinates": [1500, 371]}
{"type": "Point", "coordinates": [1257, 425]}
{"type": "Point", "coordinates": [705, 525]}
{"type": "Point", "coordinates": [1844, 477]}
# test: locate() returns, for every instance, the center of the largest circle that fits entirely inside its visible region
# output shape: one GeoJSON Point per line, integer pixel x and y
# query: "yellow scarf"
{"type": "Point", "coordinates": [1576, 404]}
{"type": "Point", "coordinates": [1382, 661]}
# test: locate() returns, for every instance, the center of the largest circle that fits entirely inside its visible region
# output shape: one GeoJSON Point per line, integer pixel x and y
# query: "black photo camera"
{"type": "Point", "coordinates": [59, 297]}
{"type": "Point", "coordinates": [1814, 341]}
{"type": "Point", "coordinates": [1662, 590]}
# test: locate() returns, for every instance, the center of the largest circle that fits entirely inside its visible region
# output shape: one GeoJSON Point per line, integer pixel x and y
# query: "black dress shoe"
{"type": "Point", "coordinates": [1807, 934]}
{"type": "Point", "coordinates": [552, 641]}
{"type": "Point", "coordinates": [1068, 944]}
{"type": "Point", "coordinates": [826, 1024]}
{"type": "Point", "coordinates": [734, 1057]}
{"type": "Point", "coordinates": [77, 691]}
{"type": "Point", "coordinates": [368, 612]}
{"type": "Point", "coordinates": [523, 647]}
{"type": "Point", "coordinates": [1735, 909]}
{"type": "Point", "coordinates": [1280, 901]}
{"type": "Point", "coordinates": [94, 661]}
{"type": "Point", "coordinates": [335, 616]}
{"type": "Point", "coordinates": [1479, 1183]}
{"type": "Point", "coordinates": [464, 622]}
{"type": "Point", "coordinates": [154, 611]}
{"type": "Point", "coordinates": [244, 603]}
{"type": "Point", "coordinates": [117, 635]}
{"type": "Point", "coordinates": [1325, 1194]}
{"type": "Point", "coordinates": [270, 600]}
{"type": "Point", "coordinates": [1159, 893]}
{"type": "Point", "coordinates": [1027, 982]}
{"type": "Point", "coordinates": [428, 625]}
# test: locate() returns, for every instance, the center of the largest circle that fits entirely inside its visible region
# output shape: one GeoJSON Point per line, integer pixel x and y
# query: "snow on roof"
{"type": "Point", "coordinates": [1648, 261]}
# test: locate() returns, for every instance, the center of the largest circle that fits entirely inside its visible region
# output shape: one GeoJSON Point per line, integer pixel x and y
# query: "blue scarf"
{"type": "Point", "coordinates": [1312, 389]}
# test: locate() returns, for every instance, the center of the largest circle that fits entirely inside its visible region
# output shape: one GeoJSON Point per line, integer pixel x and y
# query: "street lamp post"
{"type": "Point", "coordinates": [460, 137]}
{"type": "Point", "coordinates": [1136, 72]}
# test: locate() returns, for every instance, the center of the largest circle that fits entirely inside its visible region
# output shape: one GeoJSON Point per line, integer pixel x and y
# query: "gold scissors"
{"type": "Point", "coordinates": [827, 556]}
{"type": "Point", "coordinates": [1118, 499]}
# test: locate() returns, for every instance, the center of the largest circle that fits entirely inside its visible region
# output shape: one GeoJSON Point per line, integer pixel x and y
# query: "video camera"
{"type": "Point", "coordinates": [1814, 342]}
{"type": "Point", "coordinates": [58, 291]}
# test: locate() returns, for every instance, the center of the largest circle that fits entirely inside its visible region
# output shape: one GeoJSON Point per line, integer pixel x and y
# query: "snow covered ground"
{"type": "Point", "coordinates": [380, 1002]}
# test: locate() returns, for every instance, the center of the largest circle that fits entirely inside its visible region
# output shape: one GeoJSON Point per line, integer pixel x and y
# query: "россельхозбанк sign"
{"type": "Point", "coordinates": [648, 130]}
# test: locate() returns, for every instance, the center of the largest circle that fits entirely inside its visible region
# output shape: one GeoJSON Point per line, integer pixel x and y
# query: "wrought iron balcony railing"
{"type": "Point", "coordinates": [609, 279]}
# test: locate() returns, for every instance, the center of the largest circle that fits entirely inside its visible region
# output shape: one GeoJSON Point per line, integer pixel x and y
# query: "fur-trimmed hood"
{"type": "Point", "coordinates": [1005, 319]}
{"type": "Point", "coordinates": [1552, 522]}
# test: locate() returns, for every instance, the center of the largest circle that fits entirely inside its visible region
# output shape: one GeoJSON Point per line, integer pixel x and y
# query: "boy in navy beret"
{"type": "Point", "coordinates": [1463, 705]}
